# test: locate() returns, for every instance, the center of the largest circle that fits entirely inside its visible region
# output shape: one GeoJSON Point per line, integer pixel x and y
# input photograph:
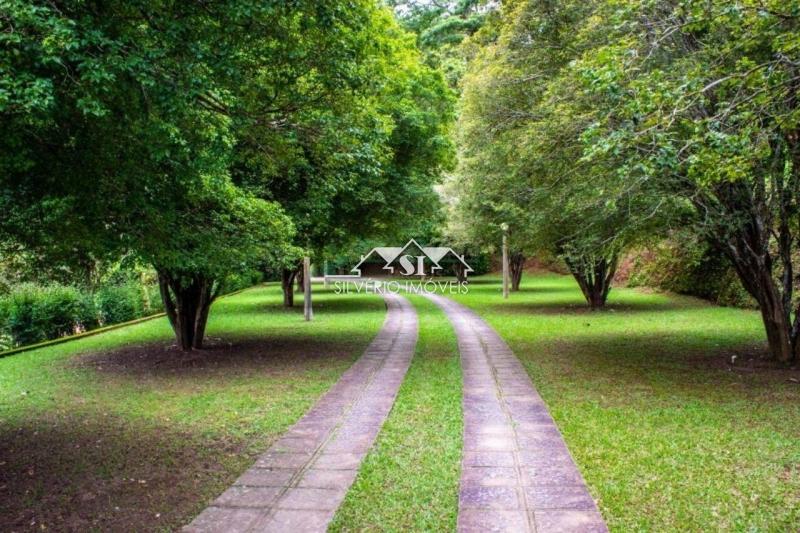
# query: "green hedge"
{"type": "Point", "coordinates": [33, 313]}
{"type": "Point", "coordinates": [120, 303]}
{"type": "Point", "coordinates": [240, 281]}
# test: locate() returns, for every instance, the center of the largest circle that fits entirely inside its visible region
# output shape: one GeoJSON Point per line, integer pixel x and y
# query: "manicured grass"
{"type": "Point", "coordinates": [122, 432]}
{"type": "Point", "coordinates": [669, 435]}
{"type": "Point", "coordinates": [409, 481]}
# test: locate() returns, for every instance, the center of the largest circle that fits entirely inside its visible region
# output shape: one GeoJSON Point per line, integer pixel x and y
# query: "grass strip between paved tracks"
{"type": "Point", "coordinates": [409, 480]}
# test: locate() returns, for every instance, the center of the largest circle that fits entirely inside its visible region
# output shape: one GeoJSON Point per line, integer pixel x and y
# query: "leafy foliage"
{"type": "Point", "coordinates": [33, 313]}
{"type": "Point", "coordinates": [597, 125]}
{"type": "Point", "coordinates": [120, 303]}
{"type": "Point", "coordinates": [113, 144]}
{"type": "Point", "coordinates": [441, 27]}
{"type": "Point", "coordinates": [699, 99]}
{"type": "Point", "coordinates": [686, 265]}
{"type": "Point", "coordinates": [210, 139]}
{"type": "Point", "coordinates": [522, 156]}
{"type": "Point", "coordinates": [362, 164]}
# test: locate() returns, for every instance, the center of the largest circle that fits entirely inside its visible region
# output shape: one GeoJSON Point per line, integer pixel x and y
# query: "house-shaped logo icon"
{"type": "Point", "coordinates": [411, 260]}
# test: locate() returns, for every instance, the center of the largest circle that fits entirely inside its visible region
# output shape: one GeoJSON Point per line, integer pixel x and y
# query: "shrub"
{"type": "Point", "coordinates": [31, 313]}
{"type": "Point", "coordinates": [120, 303]}
{"type": "Point", "coordinates": [20, 315]}
{"type": "Point", "coordinates": [61, 310]}
{"type": "Point", "coordinates": [6, 340]}
{"type": "Point", "coordinates": [241, 280]}
{"type": "Point", "coordinates": [687, 265]}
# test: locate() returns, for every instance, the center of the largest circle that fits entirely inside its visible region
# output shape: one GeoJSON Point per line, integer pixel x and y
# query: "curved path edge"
{"type": "Point", "coordinates": [516, 473]}
{"type": "Point", "coordinates": [299, 483]}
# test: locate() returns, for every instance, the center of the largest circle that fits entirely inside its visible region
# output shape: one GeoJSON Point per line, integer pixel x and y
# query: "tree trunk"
{"type": "Point", "coordinates": [187, 300]}
{"type": "Point", "coordinates": [299, 278]}
{"type": "Point", "coordinates": [748, 250]}
{"type": "Point", "coordinates": [755, 240]}
{"type": "Point", "coordinates": [460, 271]}
{"type": "Point", "coordinates": [777, 327]}
{"type": "Point", "coordinates": [594, 278]}
{"type": "Point", "coordinates": [517, 263]}
{"type": "Point", "coordinates": [308, 312]}
{"type": "Point", "coordinates": [287, 284]}
{"type": "Point", "coordinates": [756, 278]}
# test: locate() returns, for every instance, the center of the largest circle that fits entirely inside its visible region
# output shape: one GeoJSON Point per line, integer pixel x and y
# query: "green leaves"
{"type": "Point", "coordinates": [360, 141]}
{"type": "Point", "coordinates": [625, 118]}
{"type": "Point", "coordinates": [208, 137]}
{"type": "Point", "coordinates": [111, 145]}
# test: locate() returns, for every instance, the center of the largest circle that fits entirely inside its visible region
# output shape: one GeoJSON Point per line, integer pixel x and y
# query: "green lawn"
{"type": "Point", "coordinates": [120, 431]}
{"type": "Point", "coordinates": [668, 435]}
{"type": "Point", "coordinates": [409, 480]}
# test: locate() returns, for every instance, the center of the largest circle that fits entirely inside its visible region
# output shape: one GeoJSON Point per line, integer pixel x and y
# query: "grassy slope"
{"type": "Point", "coordinates": [666, 434]}
{"type": "Point", "coordinates": [409, 481]}
{"type": "Point", "coordinates": [136, 441]}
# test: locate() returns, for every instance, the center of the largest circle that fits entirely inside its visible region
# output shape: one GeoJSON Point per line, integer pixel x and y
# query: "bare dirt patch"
{"type": "Point", "coordinates": [79, 468]}
{"type": "Point", "coordinates": [746, 360]}
{"type": "Point", "coordinates": [274, 355]}
{"type": "Point", "coordinates": [69, 473]}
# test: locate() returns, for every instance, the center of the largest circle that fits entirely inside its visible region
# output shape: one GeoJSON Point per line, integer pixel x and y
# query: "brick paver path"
{"type": "Point", "coordinates": [517, 474]}
{"type": "Point", "coordinates": [298, 484]}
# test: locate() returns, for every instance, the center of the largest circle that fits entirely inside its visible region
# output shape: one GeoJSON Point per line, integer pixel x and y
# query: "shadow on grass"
{"type": "Point", "coordinates": [275, 354]}
{"type": "Point", "coordinates": [688, 364]}
{"type": "Point", "coordinates": [577, 307]}
{"type": "Point", "coordinates": [66, 473]}
{"type": "Point", "coordinates": [566, 299]}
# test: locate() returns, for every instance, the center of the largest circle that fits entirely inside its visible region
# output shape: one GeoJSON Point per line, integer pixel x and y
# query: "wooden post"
{"type": "Point", "coordinates": [308, 313]}
{"type": "Point", "coordinates": [505, 260]}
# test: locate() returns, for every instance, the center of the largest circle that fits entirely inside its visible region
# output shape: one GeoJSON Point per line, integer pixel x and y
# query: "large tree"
{"type": "Point", "coordinates": [361, 161]}
{"type": "Point", "coordinates": [176, 131]}
{"type": "Point", "coordinates": [117, 137]}
{"type": "Point", "coordinates": [701, 99]}
{"type": "Point", "coordinates": [521, 158]}
{"type": "Point", "coordinates": [441, 27]}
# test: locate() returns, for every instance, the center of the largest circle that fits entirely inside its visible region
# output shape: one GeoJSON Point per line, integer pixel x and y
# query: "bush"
{"type": "Point", "coordinates": [241, 280]}
{"type": "Point", "coordinates": [32, 313]}
{"type": "Point", "coordinates": [63, 310]}
{"type": "Point", "coordinates": [20, 311]}
{"type": "Point", "coordinates": [121, 303]}
{"type": "Point", "coordinates": [6, 340]}
{"type": "Point", "coordinates": [687, 265]}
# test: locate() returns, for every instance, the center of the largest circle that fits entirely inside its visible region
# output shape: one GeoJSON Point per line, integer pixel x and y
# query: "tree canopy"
{"type": "Point", "coordinates": [209, 138]}
{"type": "Point", "coordinates": [595, 125]}
{"type": "Point", "coordinates": [700, 99]}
